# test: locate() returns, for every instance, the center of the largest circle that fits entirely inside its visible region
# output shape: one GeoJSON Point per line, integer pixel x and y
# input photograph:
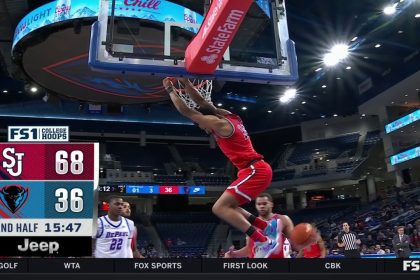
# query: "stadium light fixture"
{"type": "Point", "coordinates": [390, 10]}
{"type": "Point", "coordinates": [337, 54]}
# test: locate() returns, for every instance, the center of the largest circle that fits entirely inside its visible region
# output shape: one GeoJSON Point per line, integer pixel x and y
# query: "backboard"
{"type": "Point", "coordinates": [150, 37]}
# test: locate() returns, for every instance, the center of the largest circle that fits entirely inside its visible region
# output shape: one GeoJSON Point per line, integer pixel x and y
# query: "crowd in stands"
{"type": "Point", "coordinates": [377, 226]}
{"type": "Point", "coordinates": [147, 250]}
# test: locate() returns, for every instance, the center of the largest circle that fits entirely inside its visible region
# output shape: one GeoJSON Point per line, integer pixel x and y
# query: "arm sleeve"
{"type": "Point", "coordinates": [100, 229]}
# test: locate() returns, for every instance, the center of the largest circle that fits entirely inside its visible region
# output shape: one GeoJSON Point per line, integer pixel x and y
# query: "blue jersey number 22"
{"type": "Point", "coordinates": [116, 244]}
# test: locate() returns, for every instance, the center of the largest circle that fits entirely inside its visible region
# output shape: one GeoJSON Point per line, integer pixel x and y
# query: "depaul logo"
{"type": "Point", "coordinates": [14, 197]}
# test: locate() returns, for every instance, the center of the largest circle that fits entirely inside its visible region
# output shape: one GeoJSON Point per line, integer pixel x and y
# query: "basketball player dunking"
{"type": "Point", "coordinates": [264, 205]}
{"type": "Point", "coordinates": [254, 174]}
{"type": "Point", "coordinates": [127, 214]}
{"type": "Point", "coordinates": [115, 233]}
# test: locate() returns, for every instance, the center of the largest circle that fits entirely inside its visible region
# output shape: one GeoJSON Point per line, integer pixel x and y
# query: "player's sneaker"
{"type": "Point", "coordinates": [264, 249]}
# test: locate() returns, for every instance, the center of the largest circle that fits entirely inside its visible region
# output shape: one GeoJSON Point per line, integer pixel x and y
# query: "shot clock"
{"type": "Point", "coordinates": [47, 198]}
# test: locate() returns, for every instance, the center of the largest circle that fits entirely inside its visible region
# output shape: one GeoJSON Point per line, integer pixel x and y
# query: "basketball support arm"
{"type": "Point", "coordinates": [222, 22]}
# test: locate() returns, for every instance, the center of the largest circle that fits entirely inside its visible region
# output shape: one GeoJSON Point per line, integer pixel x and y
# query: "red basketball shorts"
{"type": "Point", "coordinates": [251, 181]}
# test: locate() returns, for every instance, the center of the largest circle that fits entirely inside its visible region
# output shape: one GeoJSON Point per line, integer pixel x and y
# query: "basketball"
{"type": "Point", "coordinates": [302, 234]}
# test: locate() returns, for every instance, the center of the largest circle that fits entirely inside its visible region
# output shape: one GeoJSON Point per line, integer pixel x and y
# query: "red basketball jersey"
{"type": "Point", "coordinates": [237, 147]}
{"type": "Point", "coordinates": [283, 244]}
{"type": "Point", "coordinates": [313, 251]}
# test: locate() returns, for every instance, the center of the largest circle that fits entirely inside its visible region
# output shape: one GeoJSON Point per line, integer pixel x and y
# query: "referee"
{"type": "Point", "coordinates": [348, 239]}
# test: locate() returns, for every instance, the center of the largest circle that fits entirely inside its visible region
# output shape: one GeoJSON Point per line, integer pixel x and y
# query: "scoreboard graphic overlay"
{"type": "Point", "coordinates": [47, 198]}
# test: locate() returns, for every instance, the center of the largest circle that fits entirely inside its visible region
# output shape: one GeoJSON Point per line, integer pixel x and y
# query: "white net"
{"type": "Point", "coordinates": [204, 87]}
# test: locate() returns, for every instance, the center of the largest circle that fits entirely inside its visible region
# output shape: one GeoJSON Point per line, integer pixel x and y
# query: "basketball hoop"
{"type": "Point", "coordinates": [204, 87]}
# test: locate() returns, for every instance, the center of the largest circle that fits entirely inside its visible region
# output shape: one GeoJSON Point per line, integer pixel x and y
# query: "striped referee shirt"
{"type": "Point", "coordinates": [349, 240]}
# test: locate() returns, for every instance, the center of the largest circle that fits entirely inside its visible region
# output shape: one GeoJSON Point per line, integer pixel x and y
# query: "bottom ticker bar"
{"type": "Point", "coordinates": [204, 266]}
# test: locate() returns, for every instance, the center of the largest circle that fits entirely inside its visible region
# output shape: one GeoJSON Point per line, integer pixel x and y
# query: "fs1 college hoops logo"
{"type": "Point", "coordinates": [13, 197]}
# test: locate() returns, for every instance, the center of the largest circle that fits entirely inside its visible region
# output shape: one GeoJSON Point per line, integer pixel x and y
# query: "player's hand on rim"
{"type": "Point", "coordinates": [168, 84]}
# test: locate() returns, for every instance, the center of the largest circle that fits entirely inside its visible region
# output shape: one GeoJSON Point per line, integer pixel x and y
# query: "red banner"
{"type": "Point", "coordinates": [47, 161]}
{"type": "Point", "coordinates": [219, 27]}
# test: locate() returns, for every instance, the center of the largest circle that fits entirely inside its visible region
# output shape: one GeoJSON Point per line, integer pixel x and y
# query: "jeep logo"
{"type": "Point", "coordinates": [50, 247]}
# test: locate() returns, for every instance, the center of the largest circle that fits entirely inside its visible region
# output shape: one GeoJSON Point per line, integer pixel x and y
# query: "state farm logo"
{"type": "Point", "coordinates": [209, 59]}
{"type": "Point", "coordinates": [148, 4]}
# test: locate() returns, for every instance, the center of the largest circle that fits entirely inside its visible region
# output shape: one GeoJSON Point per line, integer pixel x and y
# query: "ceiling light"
{"type": "Point", "coordinates": [330, 59]}
{"type": "Point", "coordinates": [354, 39]}
{"type": "Point", "coordinates": [290, 93]}
{"type": "Point", "coordinates": [335, 115]}
{"type": "Point", "coordinates": [390, 10]}
{"type": "Point", "coordinates": [33, 89]}
{"type": "Point", "coordinates": [314, 96]}
{"type": "Point", "coordinates": [400, 32]}
{"type": "Point", "coordinates": [337, 54]}
{"type": "Point", "coordinates": [363, 115]}
{"type": "Point", "coordinates": [417, 16]}
{"type": "Point", "coordinates": [269, 111]}
{"type": "Point", "coordinates": [332, 189]}
{"type": "Point", "coordinates": [348, 67]}
{"type": "Point", "coordinates": [341, 51]}
{"type": "Point", "coordinates": [324, 86]}
{"type": "Point", "coordinates": [244, 108]}
{"type": "Point", "coordinates": [5, 91]}
{"type": "Point", "coordinates": [377, 45]}
{"type": "Point", "coordinates": [292, 113]}
{"type": "Point", "coordinates": [406, 95]}
{"type": "Point", "coordinates": [366, 57]}
{"type": "Point", "coordinates": [303, 102]}
{"type": "Point", "coordinates": [219, 104]}
{"type": "Point", "coordinates": [284, 99]}
{"type": "Point", "coordinates": [338, 78]}
{"type": "Point", "coordinates": [392, 102]}
{"type": "Point", "coordinates": [318, 69]}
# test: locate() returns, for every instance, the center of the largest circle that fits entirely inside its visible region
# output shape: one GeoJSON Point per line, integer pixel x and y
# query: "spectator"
{"type": "Point", "coordinates": [387, 251]}
{"type": "Point", "coordinates": [401, 243]}
{"type": "Point", "coordinates": [364, 249]}
{"type": "Point", "coordinates": [369, 242]}
{"type": "Point", "coordinates": [378, 250]}
{"type": "Point", "coordinates": [415, 239]}
{"type": "Point", "coordinates": [381, 236]}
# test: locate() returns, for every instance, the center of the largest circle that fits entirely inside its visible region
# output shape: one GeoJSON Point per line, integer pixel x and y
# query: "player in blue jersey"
{"type": "Point", "coordinates": [115, 233]}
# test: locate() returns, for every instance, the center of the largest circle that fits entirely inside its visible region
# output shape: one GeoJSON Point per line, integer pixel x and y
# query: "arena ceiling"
{"type": "Point", "coordinates": [385, 51]}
